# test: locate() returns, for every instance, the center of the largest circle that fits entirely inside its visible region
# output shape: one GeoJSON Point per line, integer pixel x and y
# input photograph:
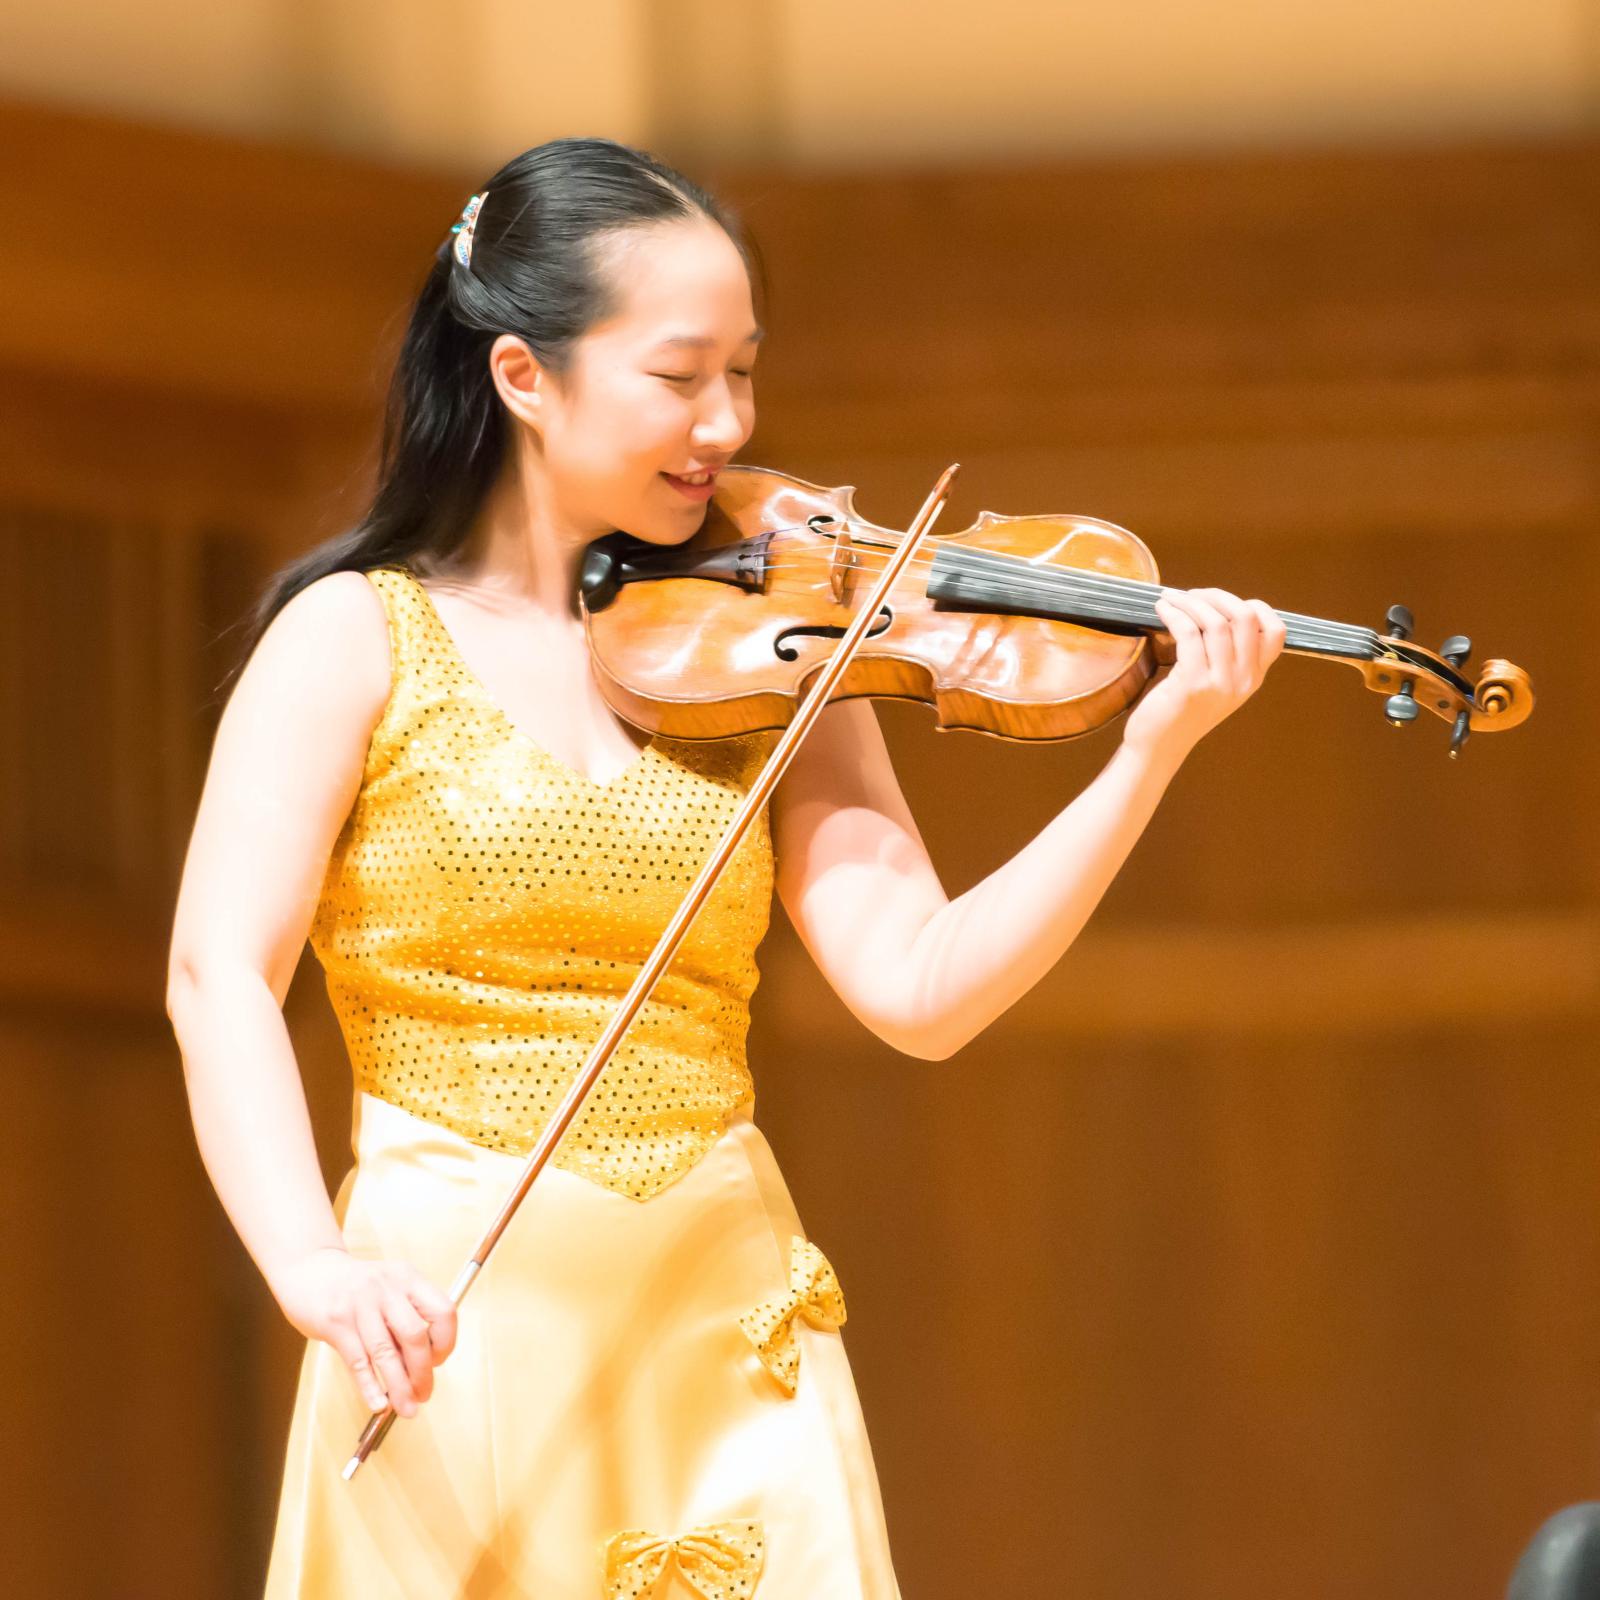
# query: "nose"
{"type": "Point", "coordinates": [725, 423]}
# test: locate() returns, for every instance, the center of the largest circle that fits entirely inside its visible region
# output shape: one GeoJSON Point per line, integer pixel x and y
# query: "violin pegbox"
{"type": "Point", "coordinates": [1413, 679]}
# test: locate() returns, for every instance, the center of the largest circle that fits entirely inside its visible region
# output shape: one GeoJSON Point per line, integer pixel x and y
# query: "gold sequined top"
{"type": "Point", "coordinates": [485, 907]}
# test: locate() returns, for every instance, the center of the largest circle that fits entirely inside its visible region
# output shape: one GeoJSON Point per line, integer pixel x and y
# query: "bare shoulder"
{"type": "Point", "coordinates": [338, 616]}
{"type": "Point", "coordinates": [301, 715]}
{"type": "Point", "coordinates": [328, 649]}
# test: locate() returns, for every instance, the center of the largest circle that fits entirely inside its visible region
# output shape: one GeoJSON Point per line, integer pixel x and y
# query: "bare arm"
{"type": "Point", "coordinates": [285, 767]}
{"type": "Point", "coordinates": [927, 973]}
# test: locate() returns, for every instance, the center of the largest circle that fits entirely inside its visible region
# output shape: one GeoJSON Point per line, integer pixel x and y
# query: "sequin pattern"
{"type": "Point", "coordinates": [485, 907]}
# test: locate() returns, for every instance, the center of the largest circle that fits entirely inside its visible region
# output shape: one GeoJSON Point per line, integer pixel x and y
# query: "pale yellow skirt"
{"type": "Point", "coordinates": [601, 1385]}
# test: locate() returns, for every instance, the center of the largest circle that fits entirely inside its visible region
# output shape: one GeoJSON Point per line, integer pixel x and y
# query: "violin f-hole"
{"type": "Point", "coordinates": [824, 630]}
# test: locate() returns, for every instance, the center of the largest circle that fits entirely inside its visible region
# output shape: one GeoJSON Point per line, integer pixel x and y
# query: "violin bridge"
{"type": "Point", "coordinates": [840, 565]}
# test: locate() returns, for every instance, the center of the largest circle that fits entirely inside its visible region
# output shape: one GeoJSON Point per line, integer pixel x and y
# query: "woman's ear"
{"type": "Point", "coordinates": [518, 378]}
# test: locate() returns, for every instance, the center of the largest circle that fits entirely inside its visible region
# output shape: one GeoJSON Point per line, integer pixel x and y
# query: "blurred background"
{"type": "Point", "coordinates": [1255, 1253]}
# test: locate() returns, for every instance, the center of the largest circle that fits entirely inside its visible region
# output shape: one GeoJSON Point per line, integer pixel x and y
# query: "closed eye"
{"type": "Point", "coordinates": [694, 377]}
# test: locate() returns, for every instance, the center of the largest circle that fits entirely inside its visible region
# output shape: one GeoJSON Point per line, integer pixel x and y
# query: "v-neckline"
{"type": "Point", "coordinates": [493, 707]}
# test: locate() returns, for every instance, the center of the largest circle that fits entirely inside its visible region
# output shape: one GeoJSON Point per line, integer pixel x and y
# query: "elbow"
{"type": "Point", "coordinates": [923, 1044]}
{"type": "Point", "coordinates": [929, 1052]}
{"type": "Point", "coordinates": [937, 1049]}
{"type": "Point", "coordinates": [186, 979]}
{"type": "Point", "coordinates": [225, 979]}
{"type": "Point", "coordinates": [180, 985]}
{"type": "Point", "coordinates": [908, 1024]}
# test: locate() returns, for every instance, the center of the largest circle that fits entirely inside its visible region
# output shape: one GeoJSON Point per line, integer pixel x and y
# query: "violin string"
{"type": "Point", "coordinates": [1087, 603]}
{"type": "Point", "coordinates": [1133, 601]}
{"type": "Point", "coordinates": [1087, 608]}
{"type": "Point", "coordinates": [1316, 632]}
{"type": "Point", "coordinates": [1136, 587]}
{"type": "Point", "coordinates": [1101, 597]}
{"type": "Point", "coordinates": [1019, 570]}
{"type": "Point", "coordinates": [1018, 578]}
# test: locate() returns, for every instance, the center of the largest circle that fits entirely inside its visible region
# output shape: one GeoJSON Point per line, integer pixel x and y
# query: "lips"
{"type": "Point", "coordinates": [693, 485]}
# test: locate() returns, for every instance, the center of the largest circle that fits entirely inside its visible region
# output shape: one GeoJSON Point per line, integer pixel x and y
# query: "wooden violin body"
{"type": "Point", "coordinates": [1031, 628]}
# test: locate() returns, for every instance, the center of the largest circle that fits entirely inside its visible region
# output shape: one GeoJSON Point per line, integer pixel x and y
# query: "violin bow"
{"type": "Point", "coordinates": [378, 1425]}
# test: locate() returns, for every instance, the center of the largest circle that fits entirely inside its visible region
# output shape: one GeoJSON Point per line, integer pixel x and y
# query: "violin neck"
{"type": "Point", "coordinates": [985, 580]}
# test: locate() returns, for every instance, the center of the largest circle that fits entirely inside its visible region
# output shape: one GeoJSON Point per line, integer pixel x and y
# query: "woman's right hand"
{"type": "Point", "coordinates": [388, 1323]}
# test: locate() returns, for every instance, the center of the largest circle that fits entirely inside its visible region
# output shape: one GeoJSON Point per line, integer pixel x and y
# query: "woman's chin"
{"type": "Point", "coordinates": [670, 528]}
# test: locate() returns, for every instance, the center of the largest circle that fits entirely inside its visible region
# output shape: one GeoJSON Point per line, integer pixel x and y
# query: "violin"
{"type": "Point", "coordinates": [1029, 628]}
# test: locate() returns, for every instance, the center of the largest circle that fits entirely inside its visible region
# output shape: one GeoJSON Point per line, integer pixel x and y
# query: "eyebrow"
{"type": "Point", "coordinates": [698, 341]}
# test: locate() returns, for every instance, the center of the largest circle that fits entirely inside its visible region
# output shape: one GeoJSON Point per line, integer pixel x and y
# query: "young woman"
{"type": "Point", "coordinates": [416, 769]}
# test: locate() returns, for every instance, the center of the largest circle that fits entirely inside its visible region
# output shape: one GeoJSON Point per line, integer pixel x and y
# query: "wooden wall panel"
{"type": "Point", "coordinates": [124, 1427]}
{"type": "Point", "coordinates": [1250, 1254]}
{"type": "Point", "coordinates": [1290, 1315]}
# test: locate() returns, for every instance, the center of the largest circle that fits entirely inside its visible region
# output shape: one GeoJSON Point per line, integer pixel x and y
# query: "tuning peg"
{"type": "Point", "coordinates": [1456, 649]}
{"type": "Point", "coordinates": [1401, 623]}
{"type": "Point", "coordinates": [1401, 708]}
{"type": "Point", "coordinates": [1458, 734]}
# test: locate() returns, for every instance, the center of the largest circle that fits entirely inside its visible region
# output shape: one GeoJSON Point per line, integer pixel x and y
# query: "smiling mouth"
{"type": "Point", "coordinates": [699, 486]}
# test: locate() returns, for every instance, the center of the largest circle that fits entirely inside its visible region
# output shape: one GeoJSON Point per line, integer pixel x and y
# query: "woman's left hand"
{"type": "Point", "coordinates": [1224, 647]}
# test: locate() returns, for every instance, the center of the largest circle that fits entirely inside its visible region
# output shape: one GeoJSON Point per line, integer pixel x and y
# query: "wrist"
{"type": "Point", "coordinates": [283, 1264]}
{"type": "Point", "coordinates": [1161, 754]}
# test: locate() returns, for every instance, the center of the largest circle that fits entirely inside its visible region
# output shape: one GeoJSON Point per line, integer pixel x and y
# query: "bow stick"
{"type": "Point", "coordinates": [378, 1426]}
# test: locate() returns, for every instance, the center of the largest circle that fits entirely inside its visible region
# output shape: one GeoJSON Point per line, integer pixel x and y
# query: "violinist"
{"type": "Point", "coordinates": [416, 770]}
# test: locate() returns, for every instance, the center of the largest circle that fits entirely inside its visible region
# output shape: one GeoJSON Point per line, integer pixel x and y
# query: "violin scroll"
{"type": "Point", "coordinates": [1413, 679]}
{"type": "Point", "coordinates": [1504, 695]}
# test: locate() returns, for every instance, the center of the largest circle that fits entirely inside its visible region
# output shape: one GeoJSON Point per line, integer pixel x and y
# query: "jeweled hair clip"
{"type": "Point", "coordinates": [463, 230]}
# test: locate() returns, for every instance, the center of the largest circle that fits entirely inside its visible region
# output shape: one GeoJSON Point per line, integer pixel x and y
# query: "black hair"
{"type": "Point", "coordinates": [537, 270]}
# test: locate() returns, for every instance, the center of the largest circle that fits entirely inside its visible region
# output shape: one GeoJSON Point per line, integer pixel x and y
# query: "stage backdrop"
{"type": "Point", "coordinates": [1254, 1253]}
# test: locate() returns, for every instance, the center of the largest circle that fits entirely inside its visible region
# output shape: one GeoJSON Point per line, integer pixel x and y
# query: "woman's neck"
{"type": "Point", "coordinates": [520, 551]}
